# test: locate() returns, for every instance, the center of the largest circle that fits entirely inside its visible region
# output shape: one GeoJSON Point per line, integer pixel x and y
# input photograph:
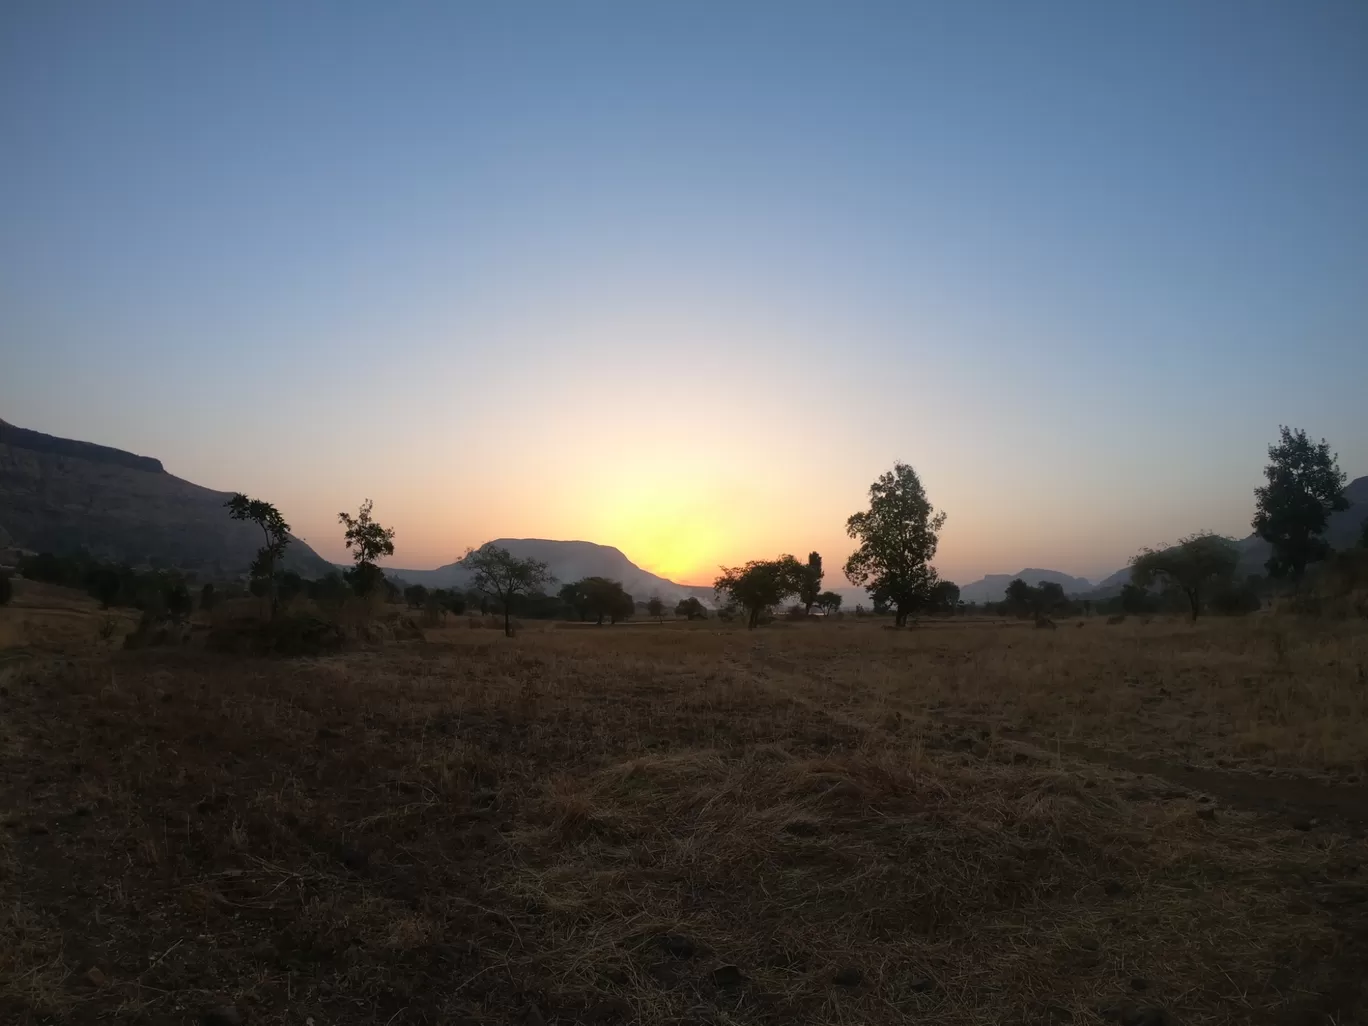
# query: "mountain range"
{"type": "Point", "coordinates": [993, 587]}
{"type": "Point", "coordinates": [61, 495]}
{"type": "Point", "coordinates": [568, 561]}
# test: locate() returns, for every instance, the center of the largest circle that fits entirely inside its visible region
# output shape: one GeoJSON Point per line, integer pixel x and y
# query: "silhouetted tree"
{"type": "Point", "coordinates": [574, 597]}
{"type": "Point", "coordinates": [500, 574]}
{"type": "Point", "coordinates": [898, 536]}
{"type": "Point", "coordinates": [1305, 485]}
{"type": "Point", "coordinates": [944, 597]}
{"type": "Point", "coordinates": [760, 584]}
{"type": "Point", "coordinates": [367, 541]}
{"type": "Point", "coordinates": [624, 606]}
{"type": "Point", "coordinates": [812, 582]}
{"type": "Point", "coordinates": [655, 607]}
{"type": "Point", "coordinates": [1019, 597]}
{"type": "Point", "coordinates": [1050, 597]}
{"type": "Point", "coordinates": [829, 602]}
{"type": "Point", "coordinates": [277, 534]}
{"type": "Point", "coordinates": [1197, 565]}
{"type": "Point", "coordinates": [416, 596]}
{"type": "Point", "coordinates": [1136, 600]}
{"type": "Point", "coordinates": [691, 609]}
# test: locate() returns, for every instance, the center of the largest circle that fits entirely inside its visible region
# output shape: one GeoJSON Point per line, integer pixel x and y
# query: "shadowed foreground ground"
{"type": "Point", "coordinates": [826, 823]}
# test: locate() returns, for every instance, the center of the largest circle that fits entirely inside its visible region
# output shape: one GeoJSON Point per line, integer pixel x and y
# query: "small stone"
{"type": "Point", "coordinates": [848, 977]}
{"type": "Point", "coordinates": [223, 1015]}
{"type": "Point", "coordinates": [1206, 812]}
{"type": "Point", "coordinates": [920, 985]}
{"type": "Point", "coordinates": [95, 977]}
{"type": "Point", "coordinates": [728, 976]}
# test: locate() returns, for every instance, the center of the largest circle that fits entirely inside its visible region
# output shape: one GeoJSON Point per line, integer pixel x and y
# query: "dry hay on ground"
{"type": "Point", "coordinates": [822, 823]}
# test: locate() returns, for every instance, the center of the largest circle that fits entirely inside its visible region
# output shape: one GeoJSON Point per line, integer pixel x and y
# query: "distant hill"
{"type": "Point", "coordinates": [993, 587]}
{"type": "Point", "coordinates": [61, 495]}
{"type": "Point", "coordinates": [1342, 532]}
{"type": "Point", "coordinates": [569, 561]}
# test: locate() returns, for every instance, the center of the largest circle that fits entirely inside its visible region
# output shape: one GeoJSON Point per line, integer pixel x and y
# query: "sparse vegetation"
{"type": "Point", "coordinates": [964, 825]}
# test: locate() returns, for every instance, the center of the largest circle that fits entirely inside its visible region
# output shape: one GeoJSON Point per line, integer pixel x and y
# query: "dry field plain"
{"type": "Point", "coordinates": [962, 823]}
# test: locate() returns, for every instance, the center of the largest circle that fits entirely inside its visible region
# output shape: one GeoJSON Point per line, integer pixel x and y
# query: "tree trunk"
{"type": "Point", "coordinates": [508, 616]}
{"type": "Point", "coordinates": [754, 619]}
{"type": "Point", "coordinates": [1196, 602]}
{"type": "Point", "coordinates": [900, 617]}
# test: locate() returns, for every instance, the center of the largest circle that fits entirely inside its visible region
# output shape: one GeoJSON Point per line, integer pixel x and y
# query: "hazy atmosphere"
{"type": "Point", "coordinates": [685, 278]}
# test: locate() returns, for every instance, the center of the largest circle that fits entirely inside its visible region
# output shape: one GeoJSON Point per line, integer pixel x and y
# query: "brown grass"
{"type": "Point", "coordinates": [591, 825]}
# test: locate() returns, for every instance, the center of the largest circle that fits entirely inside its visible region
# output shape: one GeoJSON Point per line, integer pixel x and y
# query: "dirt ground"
{"type": "Point", "coordinates": [819, 822]}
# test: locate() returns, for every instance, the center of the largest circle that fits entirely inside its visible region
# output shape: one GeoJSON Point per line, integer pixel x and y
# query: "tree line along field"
{"type": "Point", "coordinates": [825, 822]}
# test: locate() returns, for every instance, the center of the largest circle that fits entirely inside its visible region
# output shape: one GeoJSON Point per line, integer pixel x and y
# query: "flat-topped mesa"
{"type": "Point", "coordinates": [36, 441]}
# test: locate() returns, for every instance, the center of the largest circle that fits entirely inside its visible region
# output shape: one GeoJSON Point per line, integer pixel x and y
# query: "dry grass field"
{"type": "Point", "coordinates": [687, 823]}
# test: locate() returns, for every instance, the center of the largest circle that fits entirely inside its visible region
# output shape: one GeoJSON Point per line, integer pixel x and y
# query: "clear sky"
{"type": "Point", "coordinates": [685, 277]}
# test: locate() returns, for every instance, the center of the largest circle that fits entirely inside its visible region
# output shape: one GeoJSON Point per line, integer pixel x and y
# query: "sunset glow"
{"type": "Point", "coordinates": [686, 280]}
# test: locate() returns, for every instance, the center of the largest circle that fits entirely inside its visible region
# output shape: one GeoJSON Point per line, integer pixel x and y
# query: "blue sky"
{"type": "Point", "coordinates": [685, 278]}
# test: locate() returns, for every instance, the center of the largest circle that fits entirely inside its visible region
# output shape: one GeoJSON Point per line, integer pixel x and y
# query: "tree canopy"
{"type": "Point", "coordinates": [829, 602]}
{"type": "Point", "coordinates": [898, 535]}
{"type": "Point", "coordinates": [761, 584]}
{"type": "Point", "coordinates": [277, 536]}
{"type": "Point", "coordinates": [1198, 565]}
{"type": "Point", "coordinates": [691, 609]}
{"type": "Point", "coordinates": [1305, 485]}
{"type": "Point", "coordinates": [812, 582]}
{"type": "Point", "coordinates": [367, 541]}
{"type": "Point", "coordinates": [501, 575]}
